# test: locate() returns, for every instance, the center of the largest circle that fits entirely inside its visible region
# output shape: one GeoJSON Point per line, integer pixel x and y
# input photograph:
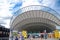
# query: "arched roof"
{"type": "Point", "coordinates": [31, 15]}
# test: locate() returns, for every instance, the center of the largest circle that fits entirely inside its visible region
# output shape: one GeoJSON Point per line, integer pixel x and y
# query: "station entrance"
{"type": "Point", "coordinates": [35, 18]}
{"type": "Point", "coordinates": [38, 27]}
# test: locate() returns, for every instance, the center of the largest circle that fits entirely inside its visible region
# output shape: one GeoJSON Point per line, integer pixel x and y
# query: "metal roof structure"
{"type": "Point", "coordinates": [35, 17]}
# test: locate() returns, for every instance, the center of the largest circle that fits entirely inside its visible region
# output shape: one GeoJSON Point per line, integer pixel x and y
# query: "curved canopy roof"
{"type": "Point", "coordinates": [30, 15]}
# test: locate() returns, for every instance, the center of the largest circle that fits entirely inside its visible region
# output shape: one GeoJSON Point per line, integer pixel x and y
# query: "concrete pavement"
{"type": "Point", "coordinates": [42, 39]}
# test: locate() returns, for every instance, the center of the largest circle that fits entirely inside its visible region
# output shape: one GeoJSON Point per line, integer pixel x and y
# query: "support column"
{"type": "Point", "coordinates": [11, 36]}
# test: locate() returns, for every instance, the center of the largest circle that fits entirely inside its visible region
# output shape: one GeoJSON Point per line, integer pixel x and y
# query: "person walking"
{"type": "Point", "coordinates": [21, 37]}
{"type": "Point", "coordinates": [16, 38]}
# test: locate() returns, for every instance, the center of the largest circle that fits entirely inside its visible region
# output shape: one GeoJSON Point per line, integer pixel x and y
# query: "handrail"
{"type": "Point", "coordinates": [4, 38]}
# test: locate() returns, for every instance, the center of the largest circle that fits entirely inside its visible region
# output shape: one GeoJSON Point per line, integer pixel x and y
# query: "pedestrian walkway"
{"type": "Point", "coordinates": [42, 39]}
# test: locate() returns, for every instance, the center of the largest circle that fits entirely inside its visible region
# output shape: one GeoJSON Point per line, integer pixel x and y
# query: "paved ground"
{"type": "Point", "coordinates": [42, 39]}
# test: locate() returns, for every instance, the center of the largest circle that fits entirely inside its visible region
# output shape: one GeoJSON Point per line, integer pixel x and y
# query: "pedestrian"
{"type": "Point", "coordinates": [30, 37]}
{"type": "Point", "coordinates": [45, 35]}
{"type": "Point", "coordinates": [21, 37]}
{"type": "Point", "coordinates": [42, 36]}
{"type": "Point", "coordinates": [16, 38]}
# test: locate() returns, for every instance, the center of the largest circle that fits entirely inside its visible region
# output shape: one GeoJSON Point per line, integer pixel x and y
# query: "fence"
{"type": "Point", "coordinates": [4, 38]}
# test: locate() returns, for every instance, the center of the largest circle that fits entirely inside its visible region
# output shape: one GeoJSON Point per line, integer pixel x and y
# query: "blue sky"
{"type": "Point", "coordinates": [8, 7]}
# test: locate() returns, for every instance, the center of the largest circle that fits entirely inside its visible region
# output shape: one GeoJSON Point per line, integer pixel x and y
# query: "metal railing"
{"type": "Point", "coordinates": [4, 38]}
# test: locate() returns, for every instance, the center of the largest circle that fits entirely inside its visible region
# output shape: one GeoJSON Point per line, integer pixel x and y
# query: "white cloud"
{"type": "Point", "coordinates": [4, 9]}
{"type": "Point", "coordinates": [47, 2]}
{"type": "Point", "coordinates": [29, 2]}
{"type": "Point", "coordinates": [2, 22]}
{"type": "Point", "coordinates": [38, 2]}
{"type": "Point", "coordinates": [7, 25]}
{"type": "Point", "coordinates": [5, 13]}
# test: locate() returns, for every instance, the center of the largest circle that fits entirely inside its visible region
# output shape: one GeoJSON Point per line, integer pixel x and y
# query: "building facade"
{"type": "Point", "coordinates": [4, 33]}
